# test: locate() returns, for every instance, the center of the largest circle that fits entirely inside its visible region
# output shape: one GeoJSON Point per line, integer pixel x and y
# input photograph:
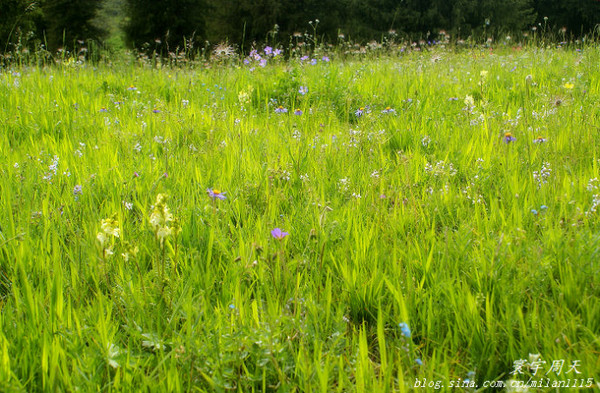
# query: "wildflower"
{"type": "Point", "coordinates": [304, 58]}
{"type": "Point", "coordinates": [360, 112]}
{"type": "Point", "coordinates": [277, 52]}
{"type": "Point", "coordinates": [110, 226]}
{"type": "Point", "coordinates": [102, 238]}
{"type": "Point", "coordinates": [325, 59]}
{"type": "Point", "coordinates": [77, 191]}
{"type": "Point", "coordinates": [388, 110]}
{"type": "Point", "coordinates": [103, 109]}
{"type": "Point", "coordinates": [313, 62]}
{"type": "Point", "coordinates": [543, 207]}
{"type": "Point", "coordinates": [539, 139]}
{"type": "Point", "coordinates": [469, 101]}
{"type": "Point", "coordinates": [278, 234]}
{"type": "Point", "coordinates": [404, 329]}
{"type": "Point", "coordinates": [534, 212]}
{"type": "Point", "coordinates": [419, 361]}
{"type": "Point", "coordinates": [268, 50]}
{"type": "Point", "coordinates": [155, 110]}
{"type": "Point", "coordinates": [297, 112]}
{"type": "Point", "coordinates": [162, 221]}
{"type": "Point", "coordinates": [568, 86]}
{"type": "Point", "coordinates": [303, 90]}
{"type": "Point", "coordinates": [216, 194]}
{"type": "Point", "coordinates": [132, 251]}
{"type": "Point", "coordinates": [263, 62]}
{"type": "Point", "coordinates": [280, 109]}
{"type": "Point", "coordinates": [163, 232]}
{"type": "Point", "coordinates": [508, 137]}
{"type": "Point", "coordinates": [132, 88]}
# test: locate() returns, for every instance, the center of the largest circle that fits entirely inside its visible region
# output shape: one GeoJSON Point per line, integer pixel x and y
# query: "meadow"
{"type": "Point", "coordinates": [329, 223]}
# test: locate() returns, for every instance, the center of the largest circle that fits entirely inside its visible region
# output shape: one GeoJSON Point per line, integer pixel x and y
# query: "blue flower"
{"type": "Point", "coordinates": [419, 361]}
{"type": "Point", "coordinates": [404, 329]}
{"type": "Point", "coordinates": [508, 137]}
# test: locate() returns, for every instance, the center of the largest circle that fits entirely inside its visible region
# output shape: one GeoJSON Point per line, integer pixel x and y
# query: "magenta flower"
{"type": "Point", "coordinates": [278, 234]}
{"type": "Point", "coordinates": [216, 194]}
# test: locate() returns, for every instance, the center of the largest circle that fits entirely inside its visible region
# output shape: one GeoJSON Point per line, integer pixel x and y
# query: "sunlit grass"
{"type": "Point", "coordinates": [418, 211]}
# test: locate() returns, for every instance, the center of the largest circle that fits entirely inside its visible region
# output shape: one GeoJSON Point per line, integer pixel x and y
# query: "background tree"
{"type": "Point", "coordinates": [164, 24]}
{"type": "Point", "coordinates": [67, 21]}
{"type": "Point", "coordinates": [18, 20]}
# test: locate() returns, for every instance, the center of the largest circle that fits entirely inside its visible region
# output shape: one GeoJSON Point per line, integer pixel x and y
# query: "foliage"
{"type": "Point", "coordinates": [425, 214]}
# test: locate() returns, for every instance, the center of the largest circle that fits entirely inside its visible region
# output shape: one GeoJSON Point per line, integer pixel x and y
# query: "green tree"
{"type": "Point", "coordinates": [165, 24]}
{"type": "Point", "coordinates": [67, 21]}
{"type": "Point", "coordinates": [17, 19]}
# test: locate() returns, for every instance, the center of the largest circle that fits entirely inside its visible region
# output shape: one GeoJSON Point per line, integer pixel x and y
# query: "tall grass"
{"type": "Point", "coordinates": [423, 215]}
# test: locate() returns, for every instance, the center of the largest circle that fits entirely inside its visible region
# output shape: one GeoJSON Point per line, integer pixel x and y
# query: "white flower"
{"type": "Point", "coordinates": [102, 238]}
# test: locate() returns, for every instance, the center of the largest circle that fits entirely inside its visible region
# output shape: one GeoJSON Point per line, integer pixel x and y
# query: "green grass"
{"type": "Point", "coordinates": [487, 250]}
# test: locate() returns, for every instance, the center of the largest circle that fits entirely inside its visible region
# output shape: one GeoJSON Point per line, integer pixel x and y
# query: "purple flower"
{"type": "Point", "coordinates": [360, 112]}
{"type": "Point", "coordinates": [508, 137]}
{"type": "Point", "coordinates": [155, 110]}
{"type": "Point", "coordinates": [278, 234]}
{"type": "Point", "coordinates": [304, 58]}
{"type": "Point", "coordinates": [263, 62]}
{"type": "Point", "coordinates": [388, 110]}
{"type": "Point", "coordinates": [539, 139]}
{"type": "Point", "coordinates": [103, 109]}
{"type": "Point", "coordinates": [325, 59]}
{"type": "Point", "coordinates": [268, 50]}
{"type": "Point", "coordinates": [313, 62]}
{"type": "Point", "coordinates": [303, 90]}
{"type": "Point", "coordinates": [297, 112]}
{"type": "Point", "coordinates": [216, 194]}
{"type": "Point", "coordinates": [276, 52]}
{"type": "Point", "coordinates": [280, 109]}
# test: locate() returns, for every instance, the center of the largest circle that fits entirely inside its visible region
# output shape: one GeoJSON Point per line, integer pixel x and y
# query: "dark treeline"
{"type": "Point", "coordinates": [170, 24]}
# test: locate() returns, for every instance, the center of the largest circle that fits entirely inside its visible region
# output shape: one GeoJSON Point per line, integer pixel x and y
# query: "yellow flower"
{"type": "Point", "coordinates": [568, 85]}
{"type": "Point", "coordinates": [110, 226]}
{"type": "Point", "coordinates": [469, 101]}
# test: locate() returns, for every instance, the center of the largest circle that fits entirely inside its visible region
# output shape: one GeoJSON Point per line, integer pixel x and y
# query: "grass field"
{"type": "Point", "coordinates": [357, 225]}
